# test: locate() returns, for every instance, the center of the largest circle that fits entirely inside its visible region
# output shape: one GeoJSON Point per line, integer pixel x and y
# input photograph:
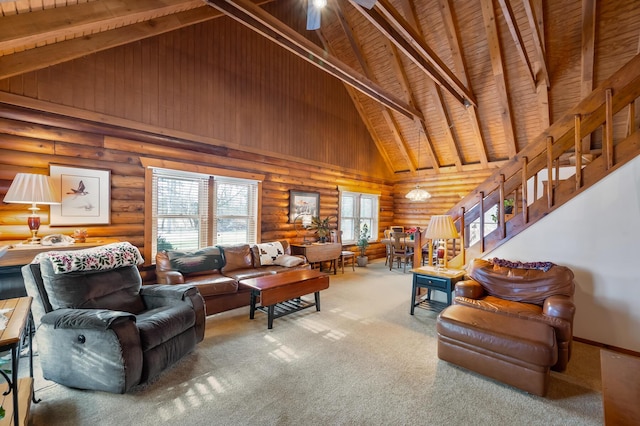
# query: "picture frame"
{"type": "Point", "coordinates": [85, 196]}
{"type": "Point", "coordinates": [303, 203]}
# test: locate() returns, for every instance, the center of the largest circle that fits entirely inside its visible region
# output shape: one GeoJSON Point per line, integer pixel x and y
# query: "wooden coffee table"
{"type": "Point", "coordinates": [281, 294]}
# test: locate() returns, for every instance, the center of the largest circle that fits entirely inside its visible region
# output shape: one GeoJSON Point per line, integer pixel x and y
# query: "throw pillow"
{"type": "Point", "coordinates": [288, 261]}
{"type": "Point", "coordinates": [543, 266]}
{"type": "Point", "coordinates": [236, 257]}
{"type": "Point", "coordinates": [203, 260]}
{"type": "Point", "coordinates": [269, 252]}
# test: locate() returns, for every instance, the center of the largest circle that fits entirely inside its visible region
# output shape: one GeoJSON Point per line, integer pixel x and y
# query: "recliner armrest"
{"type": "Point", "coordinates": [560, 307]}
{"type": "Point", "coordinates": [168, 292]}
{"type": "Point", "coordinates": [95, 319]}
{"type": "Point", "coordinates": [157, 295]}
{"type": "Point", "coordinates": [470, 289]}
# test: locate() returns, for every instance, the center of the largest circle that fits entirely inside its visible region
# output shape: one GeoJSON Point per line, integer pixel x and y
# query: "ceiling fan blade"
{"type": "Point", "coordinates": [313, 16]}
{"type": "Point", "coordinates": [366, 3]}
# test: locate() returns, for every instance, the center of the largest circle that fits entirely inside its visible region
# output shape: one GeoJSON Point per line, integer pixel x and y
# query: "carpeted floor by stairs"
{"type": "Point", "coordinates": [362, 360]}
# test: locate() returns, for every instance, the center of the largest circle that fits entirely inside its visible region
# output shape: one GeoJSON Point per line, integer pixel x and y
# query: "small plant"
{"type": "Point", "coordinates": [321, 226]}
{"type": "Point", "coordinates": [363, 240]}
{"type": "Point", "coordinates": [163, 244]}
{"type": "Point", "coordinates": [508, 209]}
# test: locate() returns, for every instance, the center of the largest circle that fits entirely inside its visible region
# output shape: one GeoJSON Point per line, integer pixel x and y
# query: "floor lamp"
{"type": "Point", "coordinates": [34, 189]}
{"type": "Point", "coordinates": [441, 228]}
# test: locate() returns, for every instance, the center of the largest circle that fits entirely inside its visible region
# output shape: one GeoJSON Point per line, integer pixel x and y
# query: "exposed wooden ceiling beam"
{"type": "Point", "coordinates": [493, 39]}
{"type": "Point", "coordinates": [451, 30]}
{"type": "Point", "coordinates": [53, 54]}
{"type": "Point", "coordinates": [366, 119]}
{"type": "Point", "coordinates": [512, 24]}
{"type": "Point", "coordinates": [403, 79]}
{"type": "Point", "coordinates": [60, 23]}
{"type": "Point", "coordinates": [246, 13]}
{"type": "Point", "coordinates": [394, 128]}
{"type": "Point", "coordinates": [542, 85]}
{"type": "Point", "coordinates": [395, 28]}
{"type": "Point", "coordinates": [538, 39]}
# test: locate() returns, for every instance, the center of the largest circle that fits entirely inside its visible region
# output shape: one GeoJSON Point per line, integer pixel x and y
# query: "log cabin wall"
{"type": "Point", "coordinates": [31, 141]}
{"type": "Point", "coordinates": [189, 96]}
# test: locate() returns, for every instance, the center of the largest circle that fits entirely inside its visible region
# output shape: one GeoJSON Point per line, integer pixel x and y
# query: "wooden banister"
{"type": "Point", "coordinates": [564, 136]}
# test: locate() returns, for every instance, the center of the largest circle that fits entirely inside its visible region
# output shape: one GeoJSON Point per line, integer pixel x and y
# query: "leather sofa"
{"type": "Point", "coordinates": [218, 277]}
{"type": "Point", "coordinates": [510, 321]}
{"type": "Point", "coordinates": [98, 328]}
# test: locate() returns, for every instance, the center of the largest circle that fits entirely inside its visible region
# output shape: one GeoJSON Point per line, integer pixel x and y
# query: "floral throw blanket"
{"type": "Point", "coordinates": [543, 266]}
{"type": "Point", "coordinates": [102, 258]}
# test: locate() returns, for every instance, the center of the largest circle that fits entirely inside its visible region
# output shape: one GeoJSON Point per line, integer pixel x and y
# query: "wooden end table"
{"type": "Point", "coordinates": [433, 279]}
{"type": "Point", "coordinates": [280, 294]}
{"type": "Point", "coordinates": [21, 390]}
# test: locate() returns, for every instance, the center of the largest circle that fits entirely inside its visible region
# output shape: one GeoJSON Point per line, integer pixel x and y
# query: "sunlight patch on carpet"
{"type": "Point", "coordinates": [282, 352]}
{"type": "Point", "coordinates": [320, 328]}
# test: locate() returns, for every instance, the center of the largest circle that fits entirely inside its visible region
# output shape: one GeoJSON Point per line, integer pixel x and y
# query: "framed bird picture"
{"type": "Point", "coordinates": [85, 196]}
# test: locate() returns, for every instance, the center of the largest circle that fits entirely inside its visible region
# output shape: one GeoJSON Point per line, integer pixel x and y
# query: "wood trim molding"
{"type": "Point", "coordinates": [148, 163]}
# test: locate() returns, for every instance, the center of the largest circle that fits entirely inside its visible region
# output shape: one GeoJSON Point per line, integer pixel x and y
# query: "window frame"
{"type": "Point", "coordinates": [150, 164]}
{"type": "Point", "coordinates": [358, 218]}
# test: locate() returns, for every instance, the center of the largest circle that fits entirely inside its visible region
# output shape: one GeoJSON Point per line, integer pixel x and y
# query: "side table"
{"type": "Point", "coordinates": [433, 279]}
{"type": "Point", "coordinates": [20, 390]}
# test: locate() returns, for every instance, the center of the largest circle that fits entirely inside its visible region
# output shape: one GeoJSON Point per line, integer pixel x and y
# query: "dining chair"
{"type": "Point", "coordinates": [400, 251]}
{"type": "Point", "coordinates": [387, 245]}
{"type": "Point", "coordinates": [336, 237]}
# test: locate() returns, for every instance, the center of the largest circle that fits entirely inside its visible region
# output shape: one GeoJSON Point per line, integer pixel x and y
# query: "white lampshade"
{"type": "Point", "coordinates": [418, 194]}
{"type": "Point", "coordinates": [441, 227]}
{"type": "Point", "coordinates": [28, 188]}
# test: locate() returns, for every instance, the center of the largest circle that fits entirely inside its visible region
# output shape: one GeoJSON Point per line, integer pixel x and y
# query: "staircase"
{"type": "Point", "coordinates": [607, 117]}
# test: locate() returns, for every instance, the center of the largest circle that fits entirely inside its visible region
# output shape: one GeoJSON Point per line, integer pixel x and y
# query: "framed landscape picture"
{"type": "Point", "coordinates": [303, 203]}
{"type": "Point", "coordinates": [86, 196]}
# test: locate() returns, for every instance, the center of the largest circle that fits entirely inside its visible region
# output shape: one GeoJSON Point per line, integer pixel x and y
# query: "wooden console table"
{"type": "Point", "coordinates": [319, 252]}
{"type": "Point", "coordinates": [16, 399]}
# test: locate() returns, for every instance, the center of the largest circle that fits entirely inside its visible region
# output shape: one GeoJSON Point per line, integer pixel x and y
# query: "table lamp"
{"type": "Point", "coordinates": [441, 228]}
{"type": "Point", "coordinates": [306, 223]}
{"type": "Point", "coordinates": [34, 189]}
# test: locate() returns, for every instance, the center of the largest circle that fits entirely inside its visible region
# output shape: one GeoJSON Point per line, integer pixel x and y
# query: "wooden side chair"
{"type": "Point", "coordinates": [336, 237]}
{"type": "Point", "coordinates": [400, 251]}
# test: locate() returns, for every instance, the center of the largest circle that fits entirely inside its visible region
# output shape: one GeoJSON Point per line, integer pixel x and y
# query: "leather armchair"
{"type": "Point", "coordinates": [532, 294]}
{"type": "Point", "coordinates": [98, 328]}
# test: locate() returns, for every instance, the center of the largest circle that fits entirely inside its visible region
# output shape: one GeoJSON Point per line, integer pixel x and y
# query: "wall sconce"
{"type": "Point", "coordinates": [34, 189]}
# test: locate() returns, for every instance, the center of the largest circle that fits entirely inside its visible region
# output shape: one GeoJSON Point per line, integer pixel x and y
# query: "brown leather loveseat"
{"type": "Point", "coordinates": [510, 321]}
{"type": "Point", "coordinates": [217, 271]}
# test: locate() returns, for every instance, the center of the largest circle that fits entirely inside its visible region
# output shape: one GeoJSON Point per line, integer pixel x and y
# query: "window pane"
{"type": "Point", "coordinates": [232, 199]}
{"type": "Point", "coordinates": [231, 231]}
{"type": "Point", "coordinates": [178, 233]}
{"type": "Point", "coordinates": [177, 196]}
{"type": "Point", "coordinates": [366, 207]}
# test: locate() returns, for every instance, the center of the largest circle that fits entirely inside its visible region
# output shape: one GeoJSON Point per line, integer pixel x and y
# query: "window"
{"type": "Point", "coordinates": [356, 210]}
{"type": "Point", "coordinates": [194, 210]}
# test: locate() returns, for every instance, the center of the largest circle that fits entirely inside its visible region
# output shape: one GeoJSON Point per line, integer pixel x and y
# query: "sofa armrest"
{"type": "Point", "coordinates": [470, 289]}
{"type": "Point", "coordinates": [92, 319]}
{"type": "Point", "coordinates": [169, 277]}
{"type": "Point", "coordinates": [560, 307]}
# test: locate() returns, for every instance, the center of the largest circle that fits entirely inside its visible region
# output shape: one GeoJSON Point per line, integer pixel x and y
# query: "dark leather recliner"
{"type": "Point", "coordinates": [98, 328]}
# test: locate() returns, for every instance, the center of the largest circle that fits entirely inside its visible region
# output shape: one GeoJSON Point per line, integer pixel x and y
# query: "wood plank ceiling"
{"type": "Point", "coordinates": [442, 85]}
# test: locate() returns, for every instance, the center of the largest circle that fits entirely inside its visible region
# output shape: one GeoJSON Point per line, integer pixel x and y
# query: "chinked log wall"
{"type": "Point", "coordinates": [31, 141]}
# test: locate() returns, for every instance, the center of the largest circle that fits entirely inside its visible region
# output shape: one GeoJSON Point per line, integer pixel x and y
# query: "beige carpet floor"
{"type": "Point", "coordinates": [362, 360]}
